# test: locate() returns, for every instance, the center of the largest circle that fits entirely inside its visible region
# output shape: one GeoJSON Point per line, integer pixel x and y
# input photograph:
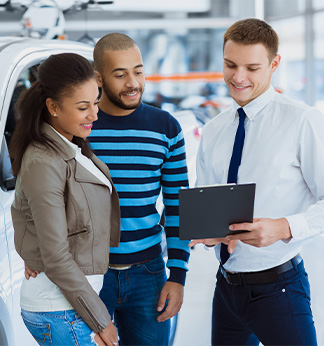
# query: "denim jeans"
{"type": "Point", "coordinates": [131, 297]}
{"type": "Point", "coordinates": [58, 328]}
{"type": "Point", "coordinates": [278, 313]}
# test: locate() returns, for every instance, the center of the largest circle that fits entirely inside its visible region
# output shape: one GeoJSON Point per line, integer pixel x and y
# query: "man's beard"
{"type": "Point", "coordinates": [116, 100]}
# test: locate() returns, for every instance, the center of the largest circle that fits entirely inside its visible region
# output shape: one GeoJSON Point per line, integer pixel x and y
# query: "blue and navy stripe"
{"type": "Point", "coordinates": [145, 154]}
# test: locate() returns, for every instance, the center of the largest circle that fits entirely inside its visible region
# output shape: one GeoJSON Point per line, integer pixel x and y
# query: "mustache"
{"type": "Point", "coordinates": [131, 90]}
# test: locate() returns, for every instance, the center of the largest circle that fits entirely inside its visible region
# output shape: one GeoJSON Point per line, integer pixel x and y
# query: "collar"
{"type": "Point", "coordinates": [73, 146]}
{"type": "Point", "coordinates": [66, 150]}
{"type": "Point", "coordinates": [253, 108]}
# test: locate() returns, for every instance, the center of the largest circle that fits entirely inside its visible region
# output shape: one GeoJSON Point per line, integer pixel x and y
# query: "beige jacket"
{"type": "Point", "coordinates": [64, 220]}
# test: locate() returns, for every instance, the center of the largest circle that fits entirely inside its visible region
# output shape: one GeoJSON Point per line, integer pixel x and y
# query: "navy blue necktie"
{"type": "Point", "coordinates": [234, 166]}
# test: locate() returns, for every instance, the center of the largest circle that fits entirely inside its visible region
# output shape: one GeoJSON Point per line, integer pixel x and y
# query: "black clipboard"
{"type": "Point", "coordinates": [206, 212]}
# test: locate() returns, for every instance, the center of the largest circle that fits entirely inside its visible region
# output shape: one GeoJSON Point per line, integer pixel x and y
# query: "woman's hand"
{"type": "Point", "coordinates": [29, 272]}
{"type": "Point", "coordinates": [99, 340]}
{"type": "Point", "coordinates": [109, 335]}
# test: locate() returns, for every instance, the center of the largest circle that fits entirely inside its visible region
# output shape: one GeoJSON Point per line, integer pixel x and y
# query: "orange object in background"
{"type": "Point", "coordinates": [189, 76]}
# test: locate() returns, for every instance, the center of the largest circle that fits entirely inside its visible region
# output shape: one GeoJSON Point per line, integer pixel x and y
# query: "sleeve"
{"type": "Point", "coordinates": [310, 222]}
{"type": "Point", "coordinates": [175, 177]}
{"type": "Point", "coordinates": [44, 187]}
{"type": "Point", "coordinates": [200, 164]}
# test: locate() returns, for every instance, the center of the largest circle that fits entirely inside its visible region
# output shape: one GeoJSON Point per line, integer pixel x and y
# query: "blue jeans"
{"type": "Point", "coordinates": [58, 328]}
{"type": "Point", "coordinates": [278, 313]}
{"type": "Point", "coordinates": [131, 297]}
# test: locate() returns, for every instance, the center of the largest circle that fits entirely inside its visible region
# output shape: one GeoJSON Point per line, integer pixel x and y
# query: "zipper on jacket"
{"type": "Point", "coordinates": [98, 325]}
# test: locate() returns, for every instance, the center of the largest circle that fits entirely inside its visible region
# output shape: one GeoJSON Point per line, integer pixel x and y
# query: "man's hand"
{"type": "Point", "coordinates": [214, 241]}
{"type": "Point", "coordinates": [29, 272]}
{"type": "Point", "coordinates": [173, 292]}
{"type": "Point", "coordinates": [109, 335]}
{"type": "Point", "coordinates": [263, 232]}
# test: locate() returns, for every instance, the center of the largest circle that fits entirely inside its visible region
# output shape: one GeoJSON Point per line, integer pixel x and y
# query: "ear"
{"type": "Point", "coordinates": [99, 78]}
{"type": "Point", "coordinates": [51, 106]}
{"type": "Point", "coordinates": [275, 63]}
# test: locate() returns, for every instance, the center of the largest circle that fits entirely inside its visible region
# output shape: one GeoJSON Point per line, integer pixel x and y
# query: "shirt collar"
{"type": "Point", "coordinates": [254, 107]}
{"type": "Point", "coordinates": [73, 146]}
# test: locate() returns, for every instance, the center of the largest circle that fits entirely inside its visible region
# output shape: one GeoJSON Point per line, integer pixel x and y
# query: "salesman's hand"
{"type": "Point", "coordinates": [214, 241]}
{"type": "Point", "coordinates": [29, 272]}
{"type": "Point", "coordinates": [109, 335]}
{"type": "Point", "coordinates": [263, 232]}
{"type": "Point", "coordinates": [173, 292]}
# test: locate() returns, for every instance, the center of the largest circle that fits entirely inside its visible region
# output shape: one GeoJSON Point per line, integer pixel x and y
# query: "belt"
{"type": "Point", "coordinates": [125, 266]}
{"type": "Point", "coordinates": [120, 266]}
{"type": "Point", "coordinates": [260, 277]}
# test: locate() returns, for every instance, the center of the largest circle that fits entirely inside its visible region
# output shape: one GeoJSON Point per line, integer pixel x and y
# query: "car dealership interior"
{"type": "Point", "coordinates": [181, 45]}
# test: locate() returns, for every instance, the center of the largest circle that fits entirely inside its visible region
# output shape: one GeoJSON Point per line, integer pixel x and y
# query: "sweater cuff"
{"type": "Point", "coordinates": [177, 275]}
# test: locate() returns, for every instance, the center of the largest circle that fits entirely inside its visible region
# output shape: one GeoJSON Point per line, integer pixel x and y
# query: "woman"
{"type": "Point", "coordinates": [66, 210]}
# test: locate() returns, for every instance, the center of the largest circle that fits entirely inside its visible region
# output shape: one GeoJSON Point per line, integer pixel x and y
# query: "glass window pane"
{"type": "Point", "coordinates": [318, 4]}
{"type": "Point", "coordinates": [283, 8]}
{"type": "Point", "coordinates": [319, 59]}
{"type": "Point", "coordinates": [290, 76]}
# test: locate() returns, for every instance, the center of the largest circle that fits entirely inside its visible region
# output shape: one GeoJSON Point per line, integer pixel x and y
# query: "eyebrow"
{"type": "Point", "coordinates": [125, 69]}
{"type": "Point", "coordinates": [82, 102]}
{"type": "Point", "coordinates": [232, 62]}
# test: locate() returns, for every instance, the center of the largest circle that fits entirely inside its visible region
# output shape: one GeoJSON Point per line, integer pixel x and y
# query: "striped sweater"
{"type": "Point", "coordinates": [145, 153]}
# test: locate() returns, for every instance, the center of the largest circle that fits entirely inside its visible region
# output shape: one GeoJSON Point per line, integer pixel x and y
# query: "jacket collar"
{"type": "Point", "coordinates": [68, 153]}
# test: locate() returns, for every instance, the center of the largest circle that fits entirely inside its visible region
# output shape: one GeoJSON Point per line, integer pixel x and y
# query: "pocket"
{"type": "Point", "coordinates": [155, 267]}
{"type": "Point", "coordinates": [266, 291]}
{"type": "Point", "coordinates": [40, 331]}
{"type": "Point", "coordinates": [305, 286]}
{"type": "Point", "coordinates": [73, 233]}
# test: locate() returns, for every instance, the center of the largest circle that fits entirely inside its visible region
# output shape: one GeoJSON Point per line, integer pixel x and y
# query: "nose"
{"type": "Point", "coordinates": [131, 81]}
{"type": "Point", "coordinates": [239, 75]}
{"type": "Point", "coordinates": [93, 114]}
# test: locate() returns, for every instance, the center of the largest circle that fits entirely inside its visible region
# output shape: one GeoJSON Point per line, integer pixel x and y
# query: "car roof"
{"type": "Point", "coordinates": [19, 53]}
{"type": "Point", "coordinates": [21, 43]}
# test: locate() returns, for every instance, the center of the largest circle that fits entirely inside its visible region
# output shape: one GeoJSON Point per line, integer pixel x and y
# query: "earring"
{"type": "Point", "coordinates": [54, 115]}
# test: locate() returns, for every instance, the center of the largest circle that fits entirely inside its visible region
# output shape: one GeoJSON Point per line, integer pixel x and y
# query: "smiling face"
{"type": "Point", "coordinates": [74, 113]}
{"type": "Point", "coordinates": [122, 81]}
{"type": "Point", "coordinates": [247, 70]}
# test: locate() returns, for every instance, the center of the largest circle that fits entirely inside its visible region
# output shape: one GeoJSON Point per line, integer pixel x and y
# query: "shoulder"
{"type": "Point", "coordinates": [218, 122]}
{"type": "Point", "coordinates": [42, 158]}
{"type": "Point", "coordinates": [161, 121]}
{"type": "Point", "coordinates": [294, 108]}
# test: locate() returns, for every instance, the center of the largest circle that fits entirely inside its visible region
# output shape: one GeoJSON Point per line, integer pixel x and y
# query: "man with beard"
{"type": "Point", "coordinates": [143, 147]}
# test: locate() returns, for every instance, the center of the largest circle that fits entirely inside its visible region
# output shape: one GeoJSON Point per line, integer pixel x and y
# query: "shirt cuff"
{"type": "Point", "coordinates": [298, 226]}
{"type": "Point", "coordinates": [177, 275]}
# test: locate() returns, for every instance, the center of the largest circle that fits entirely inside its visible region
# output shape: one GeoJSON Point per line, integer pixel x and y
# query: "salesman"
{"type": "Point", "coordinates": [262, 291]}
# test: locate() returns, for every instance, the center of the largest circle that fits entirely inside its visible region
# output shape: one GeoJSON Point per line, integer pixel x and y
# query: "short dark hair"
{"type": "Point", "coordinates": [57, 76]}
{"type": "Point", "coordinates": [113, 41]}
{"type": "Point", "coordinates": [253, 31]}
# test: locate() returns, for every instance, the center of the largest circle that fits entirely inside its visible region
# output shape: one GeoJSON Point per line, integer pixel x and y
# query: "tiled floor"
{"type": "Point", "coordinates": [194, 321]}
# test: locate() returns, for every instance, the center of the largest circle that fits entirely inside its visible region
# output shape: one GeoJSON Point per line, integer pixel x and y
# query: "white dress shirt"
{"type": "Point", "coordinates": [40, 293]}
{"type": "Point", "coordinates": [283, 154]}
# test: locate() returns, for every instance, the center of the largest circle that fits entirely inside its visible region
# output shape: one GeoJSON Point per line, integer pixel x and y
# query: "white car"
{"type": "Point", "coordinates": [18, 59]}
